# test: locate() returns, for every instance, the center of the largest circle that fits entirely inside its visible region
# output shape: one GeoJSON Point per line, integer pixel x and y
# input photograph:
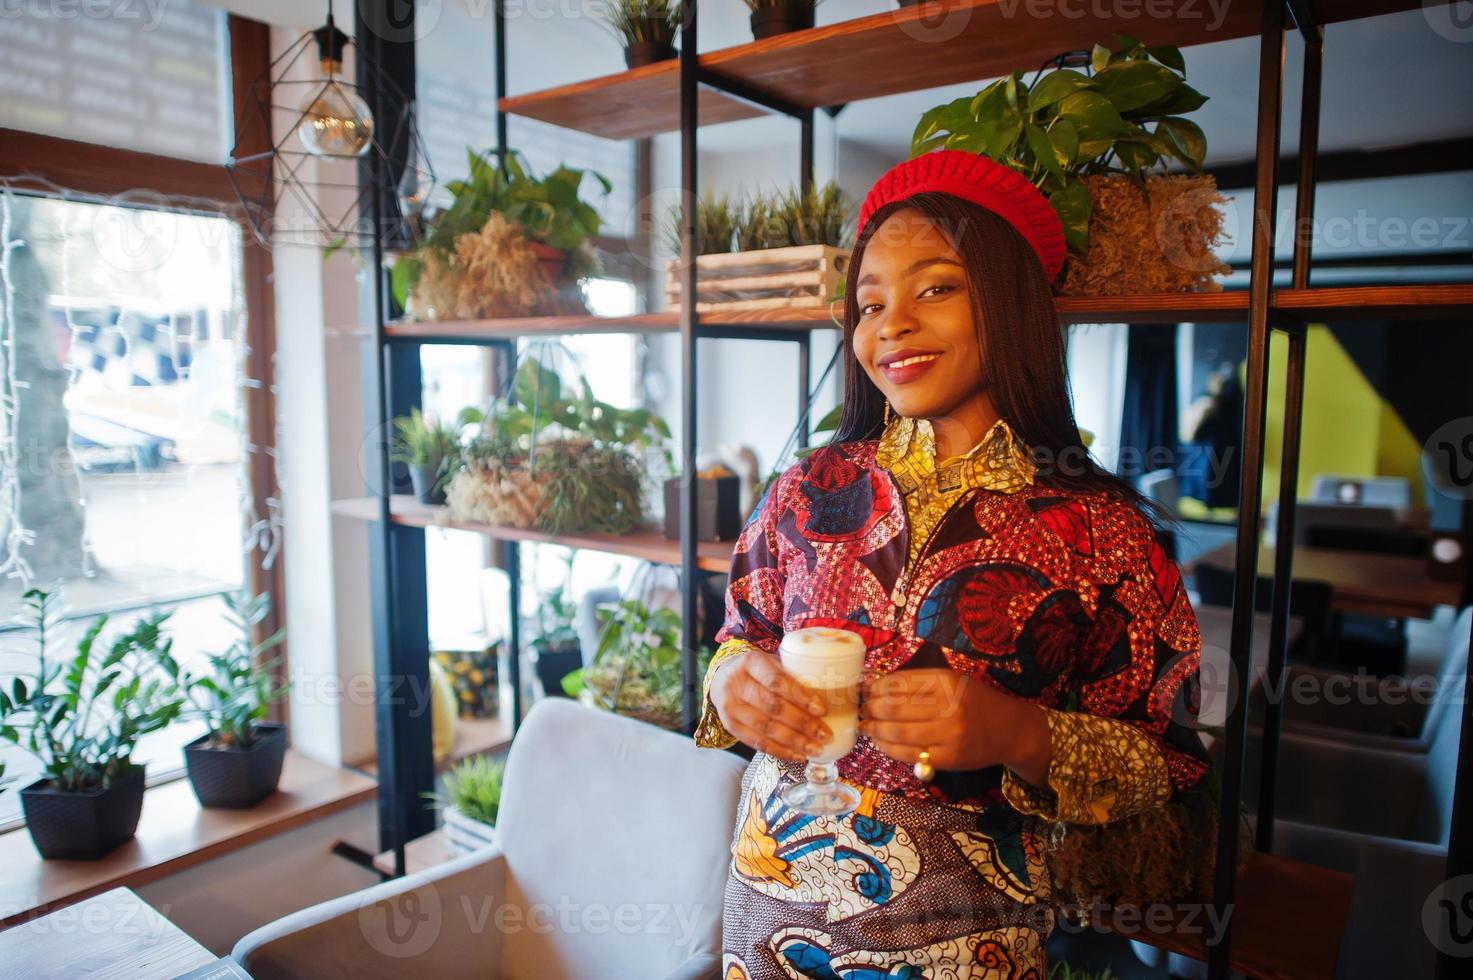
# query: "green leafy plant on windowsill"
{"type": "Point", "coordinates": [637, 669]}
{"type": "Point", "coordinates": [232, 691]}
{"type": "Point", "coordinates": [82, 716]}
{"type": "Point", "coordinates": [1128, 117]}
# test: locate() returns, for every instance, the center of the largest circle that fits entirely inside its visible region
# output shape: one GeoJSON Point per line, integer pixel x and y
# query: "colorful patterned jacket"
{"type": "Point", "coordinates": [1062, 598]}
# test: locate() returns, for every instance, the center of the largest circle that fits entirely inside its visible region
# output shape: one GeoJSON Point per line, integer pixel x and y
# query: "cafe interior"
{"type": "Point", "coordinates": [391, 393]}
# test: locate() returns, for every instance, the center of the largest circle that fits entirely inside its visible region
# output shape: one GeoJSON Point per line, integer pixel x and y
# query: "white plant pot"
{"type": "Point", "coordinates": [465, 834]}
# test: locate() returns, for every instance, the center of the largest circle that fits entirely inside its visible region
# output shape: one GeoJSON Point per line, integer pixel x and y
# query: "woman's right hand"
{"type": "Point", "coordinates": [768, 708]}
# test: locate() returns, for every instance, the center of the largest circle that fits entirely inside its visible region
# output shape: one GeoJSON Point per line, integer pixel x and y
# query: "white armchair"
{"type": "Point", "coordinates": [613, 842]}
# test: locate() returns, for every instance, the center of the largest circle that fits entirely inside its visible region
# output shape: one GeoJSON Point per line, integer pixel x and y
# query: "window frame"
{"type": "Point", "coordinates": [107, 171]}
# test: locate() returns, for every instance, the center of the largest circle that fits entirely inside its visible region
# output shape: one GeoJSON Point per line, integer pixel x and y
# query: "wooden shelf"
{"type": "Point", "coordinates": [1288, 917]}
{"type": "Point", "coordinates": [897, 51]}
{"type": "Point", "coordinates": [644, 545]}
{"type": "Point", "coordinates": [628, 105]}
{"type": "Point", "coordinates": [1431, 301]}
{"type": "Point", "coordinates": [798, 320]}
{"type": "Point", "coordinates": [174, 833]}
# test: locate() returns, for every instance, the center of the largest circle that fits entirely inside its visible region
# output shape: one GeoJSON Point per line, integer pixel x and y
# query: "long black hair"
{"type": "Point", "coordinates": [1021, 342]}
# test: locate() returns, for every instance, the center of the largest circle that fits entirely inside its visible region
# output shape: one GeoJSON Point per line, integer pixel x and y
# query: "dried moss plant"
{"type": "Point", "coordinates": [557, 461]}
{"type": "Point", "coordinates": [491, 272]}
{"type": "Point", "coordinates": [1151, 236]}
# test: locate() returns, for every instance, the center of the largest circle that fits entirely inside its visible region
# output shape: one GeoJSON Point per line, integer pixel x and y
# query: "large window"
{"type": "Point", "coordinates": [123, 431]}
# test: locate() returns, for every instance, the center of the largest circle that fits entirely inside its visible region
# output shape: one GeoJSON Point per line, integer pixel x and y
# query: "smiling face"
{"type": "Point", "coordinates": [916, 337]}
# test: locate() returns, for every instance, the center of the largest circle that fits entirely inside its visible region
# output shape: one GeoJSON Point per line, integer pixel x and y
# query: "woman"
{"type": "Point", "coordinates": [1032, 655]}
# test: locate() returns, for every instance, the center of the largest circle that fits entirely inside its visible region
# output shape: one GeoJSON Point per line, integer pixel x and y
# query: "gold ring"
{"type": "Point", "coordinates": [923, 769]}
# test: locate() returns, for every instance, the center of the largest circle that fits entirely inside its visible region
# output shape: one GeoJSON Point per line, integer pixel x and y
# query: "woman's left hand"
{"type": "Point", "coordinates": [963, 722]}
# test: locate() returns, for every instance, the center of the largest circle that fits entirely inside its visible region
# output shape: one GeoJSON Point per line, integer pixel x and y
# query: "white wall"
{"type": "Point", "coordinates": [319, 388]}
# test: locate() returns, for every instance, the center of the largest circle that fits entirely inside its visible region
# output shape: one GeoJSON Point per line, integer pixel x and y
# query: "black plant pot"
{"type": "Point", "coordinates": [423, 479]}
{"type": "Point", "coordinates": [781, 19]}
{"type": "Point", "coordinates": [637, 53]}
{"type": "Point", "coordinates": [236, 778]}
{"type": "Point", "coordinates": [718, 508]}
{"type": "Point", "coordinates": [82, 826]}
{"type": "Point", "coordinates": [554, 662]}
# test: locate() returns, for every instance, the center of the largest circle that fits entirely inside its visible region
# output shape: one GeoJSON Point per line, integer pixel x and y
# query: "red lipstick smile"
{"type": "Point", "coordinates": [905, 365]}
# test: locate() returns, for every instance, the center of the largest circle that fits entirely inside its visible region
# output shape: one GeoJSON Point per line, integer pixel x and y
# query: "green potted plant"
{"type": "Point", "coordinates": [647, 28]}
{"type": "Point", "coordinates": [82, 717]}
{"type": "Point", "coordinates": [510, 243]}
{"type": "Point", "coordinates": [237, 762]}
{"type": "Point", "coordinates": [637, 668]}
{"type": "Point", "coordinates": [773, 17]}
{"type": "Point", "coordinates": [556, 460]}
{"type": "Point", "coordinates": [556, 649]}
{"type": "Point", "coordinates": [787, 249]}
{"type": "Point", "coordinates": [425, 446]}
{"type": "Point", "coordinates": [716, 223]}
{"type": "Point", "coordinates": [470, 802]}
{"type": "Point", "coordinates": [1097, 145]}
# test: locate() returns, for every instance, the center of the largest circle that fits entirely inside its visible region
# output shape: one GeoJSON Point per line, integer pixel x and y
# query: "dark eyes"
{"type": "Point", "coordinates": [940, 289]}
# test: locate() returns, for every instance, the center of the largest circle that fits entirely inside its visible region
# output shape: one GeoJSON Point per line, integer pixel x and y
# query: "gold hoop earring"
{"type": "Point", "coordinates": [887, 413]}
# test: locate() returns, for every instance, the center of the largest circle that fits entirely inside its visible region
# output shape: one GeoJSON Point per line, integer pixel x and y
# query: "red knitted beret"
{"type": "Point", "coordinates": [982, 181]}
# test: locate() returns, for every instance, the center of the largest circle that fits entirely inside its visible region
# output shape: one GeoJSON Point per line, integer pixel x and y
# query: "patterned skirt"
{"type": "Point", "coordinates": [900, 888]}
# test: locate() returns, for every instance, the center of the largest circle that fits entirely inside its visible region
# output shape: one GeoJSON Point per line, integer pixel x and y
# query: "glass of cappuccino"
{"type": "Point", "coordinates": [831, 663]}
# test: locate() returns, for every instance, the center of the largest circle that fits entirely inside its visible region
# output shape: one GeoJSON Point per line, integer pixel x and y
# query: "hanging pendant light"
{"type": "Point", "coordinates": [335, 121]}
{"type": "Point", "coordinates": [310, 143]}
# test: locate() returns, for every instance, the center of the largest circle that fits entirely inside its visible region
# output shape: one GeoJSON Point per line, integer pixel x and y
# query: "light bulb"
{"type": "Point", "coordinates": [335, 122]}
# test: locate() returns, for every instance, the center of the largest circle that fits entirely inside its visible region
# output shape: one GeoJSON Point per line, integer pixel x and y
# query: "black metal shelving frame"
{"type": "Point", "coordinates": [397, 553]}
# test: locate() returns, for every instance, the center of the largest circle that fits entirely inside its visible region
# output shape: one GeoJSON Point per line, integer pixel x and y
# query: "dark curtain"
{"type": "Point", "coordinates": [1148, 420]}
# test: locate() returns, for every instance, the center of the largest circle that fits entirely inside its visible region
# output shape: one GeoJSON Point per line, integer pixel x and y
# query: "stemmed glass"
{"type": "Point", "coordinates": [831, 663]}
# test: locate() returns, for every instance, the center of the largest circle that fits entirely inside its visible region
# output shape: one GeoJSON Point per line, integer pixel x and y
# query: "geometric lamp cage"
{"type": "Point", "coordinates": [332, 138]}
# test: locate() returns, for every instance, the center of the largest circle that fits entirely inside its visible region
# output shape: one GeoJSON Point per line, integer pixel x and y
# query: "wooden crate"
{"type": "Point", "coordinates": [799, 276]}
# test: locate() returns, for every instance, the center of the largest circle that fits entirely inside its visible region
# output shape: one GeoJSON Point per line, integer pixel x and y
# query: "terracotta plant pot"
{"type": "Point", "coordinates": [639, 53]}
{"type": "Point", "coordinates": [236, 778]}
{"type": "Point", "coordinates": [554, 261]}
{"type": "Point", "coordinates": [781, 19]}
{"type": "Point", "coordinates": [82, 826]}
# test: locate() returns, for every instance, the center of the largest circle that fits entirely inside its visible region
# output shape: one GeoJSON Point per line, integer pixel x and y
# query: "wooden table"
{"type": "Point", "coordinates": [1363, 581]}
{"type": "Point", "coordinates": [112, 935]}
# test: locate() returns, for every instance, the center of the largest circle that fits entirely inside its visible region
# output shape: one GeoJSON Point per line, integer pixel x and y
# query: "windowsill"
{"type": "Point", "coordinates": [174, 833]}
